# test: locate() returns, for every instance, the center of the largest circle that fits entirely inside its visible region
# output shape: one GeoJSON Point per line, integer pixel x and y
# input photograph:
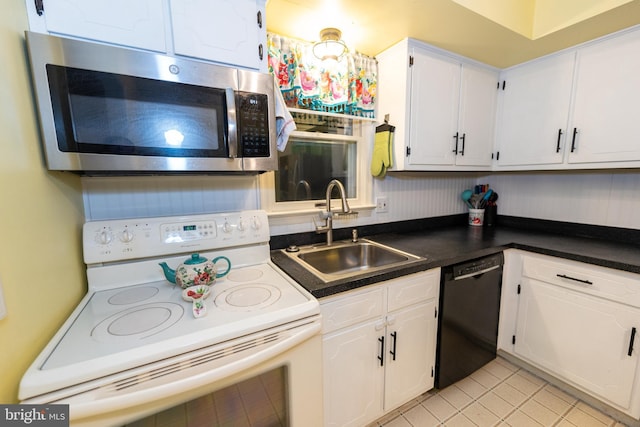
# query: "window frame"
{"type": "Point", "coordinates": [363, 130]}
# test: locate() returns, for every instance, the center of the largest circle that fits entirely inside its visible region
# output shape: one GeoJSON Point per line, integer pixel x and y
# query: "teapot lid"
{"type": "Point", "coordinates": [195, 259]}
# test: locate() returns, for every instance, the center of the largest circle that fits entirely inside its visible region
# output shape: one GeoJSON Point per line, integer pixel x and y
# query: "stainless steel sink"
{"type": "Point", "coordinates": [347, 259]}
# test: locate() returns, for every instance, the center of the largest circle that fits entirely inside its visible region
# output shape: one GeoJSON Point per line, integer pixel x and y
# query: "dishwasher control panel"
{"type": "Point", "coordinates": [478, 266]}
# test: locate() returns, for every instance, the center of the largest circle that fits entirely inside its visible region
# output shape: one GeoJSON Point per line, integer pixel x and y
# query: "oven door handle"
{"type": "Point", "coordinates": [232, 123]}
{"type": "Point", "coordinates": [190, 382]}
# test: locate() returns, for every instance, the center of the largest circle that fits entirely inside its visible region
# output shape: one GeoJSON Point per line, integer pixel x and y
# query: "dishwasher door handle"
{"type": "Point", "coordinates": [477, 273]}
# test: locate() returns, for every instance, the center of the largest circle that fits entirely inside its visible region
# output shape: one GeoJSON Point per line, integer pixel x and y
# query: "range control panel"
{"type": "Point", "coordinates": [125, 239]}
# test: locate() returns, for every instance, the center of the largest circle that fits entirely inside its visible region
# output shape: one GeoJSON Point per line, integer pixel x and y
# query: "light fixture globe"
{"type": "Point", "coordinates": [330, 45]}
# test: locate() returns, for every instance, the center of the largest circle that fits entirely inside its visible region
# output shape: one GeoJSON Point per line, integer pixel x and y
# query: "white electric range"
{"type": "Point", "coordinates": [133, 339]}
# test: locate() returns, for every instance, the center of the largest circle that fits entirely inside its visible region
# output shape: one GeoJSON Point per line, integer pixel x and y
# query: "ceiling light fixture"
{"type": "Point", "coordinates": [330, 45]}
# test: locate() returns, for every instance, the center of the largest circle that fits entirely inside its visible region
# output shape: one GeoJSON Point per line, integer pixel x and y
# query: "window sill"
{"type": "Point", "coordinates": [314, 211]}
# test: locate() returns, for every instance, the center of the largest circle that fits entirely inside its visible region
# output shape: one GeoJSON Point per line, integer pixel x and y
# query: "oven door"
{"type": "Point", "coordinates": [107, 113]}
{"type": "Point", "coordinates": [214, 382]}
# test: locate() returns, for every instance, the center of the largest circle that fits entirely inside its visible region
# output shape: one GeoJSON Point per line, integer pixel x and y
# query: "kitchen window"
{"type": "Point", "coordinates": [324, 147]}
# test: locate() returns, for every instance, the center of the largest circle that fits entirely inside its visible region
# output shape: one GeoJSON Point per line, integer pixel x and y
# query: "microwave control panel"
{"type": "Point", "coordinates": [253, 124]}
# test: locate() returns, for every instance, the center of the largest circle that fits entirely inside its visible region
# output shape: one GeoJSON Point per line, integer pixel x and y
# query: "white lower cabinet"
{"type": "Point", "coordinates": [378, 347]}
{"type": "Point", "coordinates": [578, 322]}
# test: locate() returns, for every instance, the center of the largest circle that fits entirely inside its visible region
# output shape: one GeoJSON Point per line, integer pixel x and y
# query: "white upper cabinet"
{"type": "Point", "coordinates": [443, 108]}
{"type": "Point", "coordinates": [230, 32]}
{"type": "Point", "coordinates": [572, 110]}
{"type": "Point", "coordinates": [227, 31]}
{"type": "Point", "coordinates": [476, 128]}
{"type": "Point", "coordinates": [139, 23]}
{"type": "Point", "coordinates": [533, 112]}
{"type": "Point", "coordinates": [605, 112]}
{"type": "Point", "coordinates": [433, 115]}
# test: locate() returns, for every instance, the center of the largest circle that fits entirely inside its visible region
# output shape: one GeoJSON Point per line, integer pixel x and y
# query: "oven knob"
{"type": "Point", "coordinates": [226, 227]}
{"type": "Point", "coordinates": [104, 237]}
{"type": "Point", "coordinates": [255, 223]}
{"type": "Point", "coordinates": [241, 225]}
{"type": "Point", "coordinates": [126, 236]}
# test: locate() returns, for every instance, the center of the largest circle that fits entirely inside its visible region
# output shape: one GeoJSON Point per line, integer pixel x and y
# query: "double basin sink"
{"type": "Point", "coordinates": [348, 259]}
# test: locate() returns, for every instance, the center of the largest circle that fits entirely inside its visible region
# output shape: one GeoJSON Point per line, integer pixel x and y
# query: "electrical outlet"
{"type": "Point", "coordinates": [382, 205]}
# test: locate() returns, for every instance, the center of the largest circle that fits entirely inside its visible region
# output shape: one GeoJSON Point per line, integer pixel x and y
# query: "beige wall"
{"type": "Point", "coordinates": [41, 215]}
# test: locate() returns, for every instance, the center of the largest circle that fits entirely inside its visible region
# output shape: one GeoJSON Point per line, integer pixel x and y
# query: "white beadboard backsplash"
{"type": "Point", "coordinates": [151, 196]}
{"type": "Point", "coordinates": [423, 195]}
{"type": "Point", "coordinates": [609, 198]}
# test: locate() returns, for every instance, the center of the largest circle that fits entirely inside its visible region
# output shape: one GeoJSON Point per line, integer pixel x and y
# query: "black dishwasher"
{"type": "Point", "coordinates": [468, 320]}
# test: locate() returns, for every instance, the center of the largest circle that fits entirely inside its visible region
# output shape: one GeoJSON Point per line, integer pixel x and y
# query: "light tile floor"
{"type": "Point", "coordinates": [499, 394]}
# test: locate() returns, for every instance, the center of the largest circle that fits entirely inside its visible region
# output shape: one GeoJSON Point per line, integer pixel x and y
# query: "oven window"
{"type": "Point", "coordinates": [97, 112]}
{"type": "Point", "coordinates": [259, 401]}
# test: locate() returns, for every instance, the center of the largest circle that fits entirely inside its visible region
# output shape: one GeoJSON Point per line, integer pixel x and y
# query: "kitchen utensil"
{"type": "Point", "coordinates": [466, 195]}
{"type": "Point", "coordinates": [194, 271]}
{"type": "Point", "coordinates": [485, 198]}
{"type": "Point", "coordinates": [475, 201]}
{"type": "Point", "coordinates": [493, 198]}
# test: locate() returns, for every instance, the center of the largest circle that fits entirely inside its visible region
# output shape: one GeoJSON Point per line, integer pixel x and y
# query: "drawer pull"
{"type": "Point", "coordinates": [381, 356]}
{"type": "Point", "coordinates": [564, 276]}
{"type": "Point", "coordinates": [633, 337]}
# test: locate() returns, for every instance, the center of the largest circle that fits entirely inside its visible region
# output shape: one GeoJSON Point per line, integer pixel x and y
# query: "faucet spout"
{"type": "Point", "coordinates": [328, 215]}
{"type": "Point", "coordinates": [343, 196]}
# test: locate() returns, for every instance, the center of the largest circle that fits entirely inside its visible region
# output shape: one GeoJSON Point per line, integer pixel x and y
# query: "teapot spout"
{"type": "Point", "coordinates": [169, 273]}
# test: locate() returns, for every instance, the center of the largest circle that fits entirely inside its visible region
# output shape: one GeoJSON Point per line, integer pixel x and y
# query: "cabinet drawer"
{"type": "Point", "coordinates": [614, 285]}
{"type": "Point", "coordinates": [344, 311]}
{"type": "Point", "coordinates": [414, 288]}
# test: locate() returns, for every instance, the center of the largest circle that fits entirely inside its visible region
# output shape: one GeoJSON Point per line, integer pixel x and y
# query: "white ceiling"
{"type": "Point", "coordinates": [370, 26]}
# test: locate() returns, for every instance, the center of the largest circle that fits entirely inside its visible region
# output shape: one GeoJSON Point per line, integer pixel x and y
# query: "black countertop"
{"type": "Point", "coordinates": [445, 245]}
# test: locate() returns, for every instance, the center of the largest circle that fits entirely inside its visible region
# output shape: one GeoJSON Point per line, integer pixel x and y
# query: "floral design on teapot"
{"type": "Point", "coordinates": [195, 271]}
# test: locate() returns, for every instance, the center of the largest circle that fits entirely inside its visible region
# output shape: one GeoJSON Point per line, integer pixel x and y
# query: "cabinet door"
{"type": "Point", "coordinates": [139, 23]}
{"type": "Point", "coordinates": [353, 375]}
{"type": "Point", "coordinates": [534, 112]}
{"type": "Point", "coordinates": [478, 95]}
{"type": "Point", "coordinates": [579, 338]}
{"type": "Point", "coordinates": [605, 111]}
{"type": "Point", "coordinates": [435, 88]}
{"type": "Point", "coordinates": [226, 31]}
{"type": "Point", "coordinates": [410, 354]}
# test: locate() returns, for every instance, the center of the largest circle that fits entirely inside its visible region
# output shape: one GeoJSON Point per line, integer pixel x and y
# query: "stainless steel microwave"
{"type": "Point", "coordinates": [109, 109]}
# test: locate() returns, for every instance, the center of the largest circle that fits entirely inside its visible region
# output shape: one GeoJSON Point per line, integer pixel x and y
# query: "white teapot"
{"type": "Point", "coordinates": [195, 271]}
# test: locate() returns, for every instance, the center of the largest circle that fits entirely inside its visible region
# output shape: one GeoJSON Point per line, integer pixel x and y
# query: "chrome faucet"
{"type": "Point", "coordinates": [329, 214]}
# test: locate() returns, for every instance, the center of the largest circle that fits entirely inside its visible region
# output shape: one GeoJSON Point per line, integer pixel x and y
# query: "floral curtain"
{"type": "Point", "coordinates": [348, 86]}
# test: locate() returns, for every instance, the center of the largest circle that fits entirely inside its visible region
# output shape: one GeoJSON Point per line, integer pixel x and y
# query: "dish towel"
{"type": "Point", "coordinates": [381, 158]}
{"type": "Point", "coordinates": [284, 122]}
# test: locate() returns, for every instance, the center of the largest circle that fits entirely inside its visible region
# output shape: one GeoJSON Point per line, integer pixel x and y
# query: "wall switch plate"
{"type": "Point", "coordinates": [3, 307]}
{"type": "Point", "coordinates": [382, 204]}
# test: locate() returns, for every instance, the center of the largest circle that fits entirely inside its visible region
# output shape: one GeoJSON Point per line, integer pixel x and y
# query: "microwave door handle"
{"type": "Point", "coordinates": [232, 123]}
